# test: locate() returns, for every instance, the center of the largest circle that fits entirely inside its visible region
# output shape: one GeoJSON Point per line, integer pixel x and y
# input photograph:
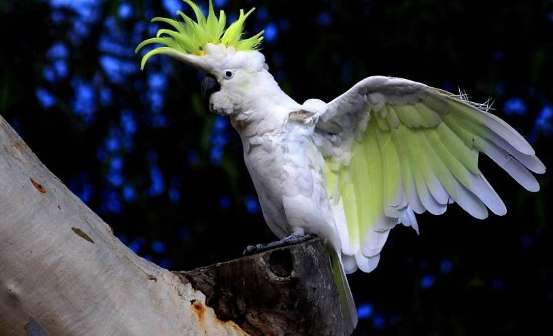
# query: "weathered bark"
{"type": "Point", "coordinates": [62, 272]}
{"type": "Point", "coordinates": [283, 291]}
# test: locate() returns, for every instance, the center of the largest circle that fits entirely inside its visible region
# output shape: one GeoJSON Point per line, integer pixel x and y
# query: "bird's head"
{"type": "Point", "coordinates": [232, 65]}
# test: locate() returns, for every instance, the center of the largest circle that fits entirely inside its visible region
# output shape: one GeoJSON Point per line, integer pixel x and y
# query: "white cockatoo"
{"type": "Point", "coordinates": [351, 169]}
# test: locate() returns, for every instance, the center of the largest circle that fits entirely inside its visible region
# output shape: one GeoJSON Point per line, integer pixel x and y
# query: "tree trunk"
{"type": "Point", "coordinates": [63, 272]}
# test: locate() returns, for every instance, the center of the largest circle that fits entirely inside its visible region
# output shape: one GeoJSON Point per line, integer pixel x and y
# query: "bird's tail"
{"type": "Point", "coordinates": [347, 304]}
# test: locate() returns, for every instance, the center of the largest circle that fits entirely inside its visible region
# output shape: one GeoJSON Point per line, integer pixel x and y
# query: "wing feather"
{"type": "Point", "coordinates": [434, 187]}
{"type": "Point", "coordinates": [407, 179]}
{"type": "Point", "coordinates": [350, 208]}
{"type": "Point", "coordinates": [512, 166]}
{"type": "Point", "coordinates": [417, 160]}
{"type": "Point", "coordinates": [402, 148]}
{"type": "Point", "coordinates": [492, 122]}
{"type": "Point", "coordinates": [460, 180]}
{"type": "Point", "coordinates": [359, 169]}
{"type": "Point", "coordinates": [392, 191]}
{"type": "Point", "coordinates": [375, 174]}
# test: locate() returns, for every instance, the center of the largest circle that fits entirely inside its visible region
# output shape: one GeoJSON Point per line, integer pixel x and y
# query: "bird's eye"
{"type": "Point", "coordinates": [228, 74]}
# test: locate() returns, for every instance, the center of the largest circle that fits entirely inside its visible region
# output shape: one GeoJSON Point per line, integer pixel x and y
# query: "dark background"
{"type": "Point", "coordinates": [142, 151]}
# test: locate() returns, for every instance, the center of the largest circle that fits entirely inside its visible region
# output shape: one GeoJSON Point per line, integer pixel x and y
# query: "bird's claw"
{"type": "Point", "coordinates": [286, 241]}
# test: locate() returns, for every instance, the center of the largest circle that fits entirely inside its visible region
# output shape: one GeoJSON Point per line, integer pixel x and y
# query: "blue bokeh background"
{"type": "Point", "coordinates": [142, 151]}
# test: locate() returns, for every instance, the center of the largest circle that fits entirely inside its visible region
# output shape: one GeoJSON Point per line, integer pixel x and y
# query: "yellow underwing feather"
{"type": "Point", "coordinates": [347, 192]}
{"type": "Point", "coordinates": [429, 117]}
{"type": "Point", "coordinates": [442, 172]}
{"type": "Point", "coordinates": [360, 179]}
{"type": "Point", "coordinates": [390, 170]}
{"type": "Point", "coordinates": [374, 177]}
{"type": "Point", "coordinates": [392, 118]}
{"type": "Point", "coordinates": [418, 152]}
{"type": "Point", "coordinates": [332, 182]}
{"type": "Point", "coordinates": [406, 175]}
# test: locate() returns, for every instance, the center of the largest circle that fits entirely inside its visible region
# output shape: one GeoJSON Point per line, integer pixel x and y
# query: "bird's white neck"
{"type": "Point", "coordinates": [265, 109]}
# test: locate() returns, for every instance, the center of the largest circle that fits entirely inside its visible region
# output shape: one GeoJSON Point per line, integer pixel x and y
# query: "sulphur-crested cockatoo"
{"type": "Point", "coordinates": [351, 169]}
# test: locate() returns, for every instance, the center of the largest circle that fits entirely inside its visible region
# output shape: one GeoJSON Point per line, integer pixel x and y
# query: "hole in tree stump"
{"type": "Point", "coordinates": [281, 263]}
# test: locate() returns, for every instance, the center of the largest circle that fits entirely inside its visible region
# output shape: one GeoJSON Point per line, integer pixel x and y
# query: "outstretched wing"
{"type": "Point", "coordinates": [395, 147]}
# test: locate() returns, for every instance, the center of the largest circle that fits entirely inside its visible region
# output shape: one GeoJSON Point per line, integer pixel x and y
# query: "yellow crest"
{"type": "Point", "coordinates": [191, 37]}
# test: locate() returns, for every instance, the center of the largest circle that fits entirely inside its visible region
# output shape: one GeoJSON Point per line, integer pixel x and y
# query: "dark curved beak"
{"type": "Point", "coordinates": [209, 86]}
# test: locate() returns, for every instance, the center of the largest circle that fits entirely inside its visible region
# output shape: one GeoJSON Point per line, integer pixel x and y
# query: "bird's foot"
{"type": "Point", "coordinates": [286, 241]}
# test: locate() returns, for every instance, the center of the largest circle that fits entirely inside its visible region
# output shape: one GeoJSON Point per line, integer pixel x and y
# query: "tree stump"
{"type": "Point", "coordinates": [287, 290]}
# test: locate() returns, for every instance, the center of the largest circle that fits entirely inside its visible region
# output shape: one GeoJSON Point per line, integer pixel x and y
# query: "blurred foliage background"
{"type": "Point", "coordinates": [141, 149]}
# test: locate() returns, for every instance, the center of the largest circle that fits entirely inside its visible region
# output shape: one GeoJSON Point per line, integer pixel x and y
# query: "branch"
{"type": "Point", "coordinates": [62, 271]}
